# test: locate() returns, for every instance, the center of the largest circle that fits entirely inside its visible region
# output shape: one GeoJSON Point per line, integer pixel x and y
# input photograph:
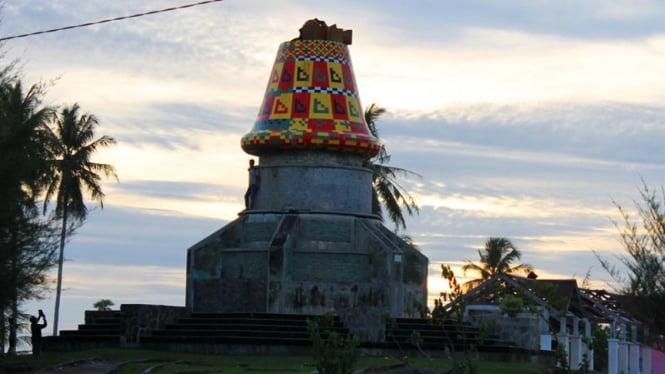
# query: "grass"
{"type": "Point", "coordinates": [129, 361]}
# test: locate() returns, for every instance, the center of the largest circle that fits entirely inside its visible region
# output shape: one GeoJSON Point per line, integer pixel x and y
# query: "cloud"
{"type": "Point", "coordinates": [178, 198]}
{"type": "Point", "coordinates": [472, 56]}
{"type": "Point", "coordinates": [592, 134]}
{"type": "Point", "coordinates": [592, 20]}
{"type": "Point", "coordinates": [215, 158]}
{"type": "Point", "coordinates": [489, 65]}
{"type": "Point", "coordinates": [175, 125]}
{"type": "Point", "coordinates": [138, 237]}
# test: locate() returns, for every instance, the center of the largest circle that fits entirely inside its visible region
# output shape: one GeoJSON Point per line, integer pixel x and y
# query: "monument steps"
{"type": "Point", "coordinates": [103, 329]}
{"type": "Point", "coordinates": [90, 332]}
{"type": "Point", "coordinates": [114, 324]}
{"type": "Point", "coordinates": [238, 328]}
{"type": "Point", "coordinates": [229, 330]}
{"type": "Point", "coordinates": [262, 333]}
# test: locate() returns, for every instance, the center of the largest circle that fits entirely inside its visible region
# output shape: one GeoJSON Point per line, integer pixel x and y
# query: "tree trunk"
{"type": "Point", "coordinates": [12, 348]}
{"type": "Point", "coordinates": [3, 330]}
{"type": "Point", "coordinates": [14, 301]}
{"type": "Point", "coordinates": [58, 291]}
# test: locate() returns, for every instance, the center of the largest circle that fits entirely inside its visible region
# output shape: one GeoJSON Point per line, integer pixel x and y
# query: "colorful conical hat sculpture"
{"type": "Point", "coordinates": [311, 101]}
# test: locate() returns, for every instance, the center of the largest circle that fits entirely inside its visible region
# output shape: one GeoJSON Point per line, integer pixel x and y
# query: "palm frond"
{"type": "Point", "coordinates": [372, 114]}
{"type": "Point", "coordinates": [497, 257]}
{"type": "Point", "coordinates": [388, 195]}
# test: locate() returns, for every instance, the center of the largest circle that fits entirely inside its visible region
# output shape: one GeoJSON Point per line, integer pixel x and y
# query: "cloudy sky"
{"type": "Point", "coordinates": [525, 120]}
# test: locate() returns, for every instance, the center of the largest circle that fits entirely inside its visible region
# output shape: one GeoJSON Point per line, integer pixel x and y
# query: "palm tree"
{"type": "Point", "coordinates": [74, 146]}
{"type": "Point", "coordinates": [386, 192]}
{"type": "Point", "coordinates": [103, 305]}
{"type": "Point", "coordinates": [498, 256]}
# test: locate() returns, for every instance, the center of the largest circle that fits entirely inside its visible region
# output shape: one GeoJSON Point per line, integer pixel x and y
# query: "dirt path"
{"type": "Point", "coordinates": [93, 366]}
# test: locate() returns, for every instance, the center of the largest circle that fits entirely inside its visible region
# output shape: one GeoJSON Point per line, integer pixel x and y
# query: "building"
{"type": "Point", "coordinates": [555, 313]}
{"type": "Point", "coordinates": [308, 242]}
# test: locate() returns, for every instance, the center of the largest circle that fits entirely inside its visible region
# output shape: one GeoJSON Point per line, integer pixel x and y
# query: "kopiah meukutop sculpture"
{"type": "Point", "coordinates": [307, 242]}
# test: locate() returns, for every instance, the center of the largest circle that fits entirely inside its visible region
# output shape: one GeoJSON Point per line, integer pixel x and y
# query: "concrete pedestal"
{"type": "Point", "coordinates": [545, 342]}
{"type": "Point", "coordinates": [575, 352]}
{"type": "Point", "coordinates": [586, 350]}
{"type": "Point", "coordinates": [564, 343]}
{"type": "Point", "coordinates": [612, 356]}
{"type": "Point", "coordinates": [634, 358]}
{"type": "Point", "coordinates": [623, 357]}
{"type": "Point", "coordinates": [646, 360]}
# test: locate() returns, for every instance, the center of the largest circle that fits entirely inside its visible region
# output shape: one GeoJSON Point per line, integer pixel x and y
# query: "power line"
{"type": "Point", "coordinates": [110, 20]}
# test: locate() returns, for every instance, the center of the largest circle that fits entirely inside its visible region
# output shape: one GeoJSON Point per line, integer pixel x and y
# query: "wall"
{"type": "Point", "coordinates": [314, 181]}
{"type": "Point", "coordinates": [141, 319]}
{"type": "Point", "coordinates": [524, 329]}
{"type": "Point", "coordinates": [309, 264]}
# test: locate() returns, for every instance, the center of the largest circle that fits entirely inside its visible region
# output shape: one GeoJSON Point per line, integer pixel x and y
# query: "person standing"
{"type": "Point", "coordinates": [254, 181]}
{"type": "Point", "coordinates": [12, 336]}
{"type": "Point", "coordinates": [36, 332]}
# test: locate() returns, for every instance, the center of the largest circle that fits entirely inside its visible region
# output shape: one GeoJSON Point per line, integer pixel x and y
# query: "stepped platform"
{"type": "Point", "coordinates": [103, 329]}
{"type": "Point", "coordinates": [176, 329]}
{"type": "Point", "coordinates": [237, 333]}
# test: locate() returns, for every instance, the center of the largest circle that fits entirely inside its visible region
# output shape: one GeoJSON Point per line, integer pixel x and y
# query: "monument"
{"type": "Point", "coordinates": [307, 242]}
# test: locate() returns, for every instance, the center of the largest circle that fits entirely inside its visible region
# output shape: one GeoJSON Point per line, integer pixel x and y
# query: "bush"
{"type": "Point", "coordinates": [334, 353]}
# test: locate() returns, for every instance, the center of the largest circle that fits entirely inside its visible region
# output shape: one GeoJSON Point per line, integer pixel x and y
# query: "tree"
{"type": "Point", "coordinates": [450, 306]}
{"type": "Point", "coordinates": [103, 305]}
{"type": "Point", "coordinates": [28, 252]}
{"type": "Point", "coordinates": [387, 193]}
{"type": "Point", "coordinates": [24, 132]}
{"type": "Point", "coordinates": [643, 240]}
{"type": "Point", "coordinates": [74, 146]}
{"type": "Point", "coordinates": [497, 257]}
{"type": "Point", "coordinates": [26, 238]}
{"type": "Point", "coordinates": [333, 353]}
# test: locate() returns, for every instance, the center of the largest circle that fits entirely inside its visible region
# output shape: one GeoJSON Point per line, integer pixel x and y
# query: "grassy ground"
{"type": "Point", "coordinates": [125, 361]}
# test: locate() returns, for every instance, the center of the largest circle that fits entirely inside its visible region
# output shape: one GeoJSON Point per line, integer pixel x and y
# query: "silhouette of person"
{"type": "Point", "coordinates": [12, 336]}
{"type": "Point", "coordinates": [254, 181]}
{"type": "Point", "coordinates": [36, 331]}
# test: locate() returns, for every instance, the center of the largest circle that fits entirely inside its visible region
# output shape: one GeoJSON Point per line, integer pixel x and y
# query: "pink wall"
{"type": "Point", "coordinates": [657, 362]}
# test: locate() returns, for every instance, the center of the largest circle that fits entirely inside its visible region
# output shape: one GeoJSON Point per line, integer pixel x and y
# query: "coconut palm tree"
{"type": "Point", "coordinates": [497, 257]}
{"type": "Point", "coordinates": [74, 146]}
{"type": "Point", "coordinates": [387, 193]}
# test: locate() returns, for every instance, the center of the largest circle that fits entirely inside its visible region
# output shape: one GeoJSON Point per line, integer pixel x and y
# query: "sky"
{"type": "Point", "coordinates": [525, 119]}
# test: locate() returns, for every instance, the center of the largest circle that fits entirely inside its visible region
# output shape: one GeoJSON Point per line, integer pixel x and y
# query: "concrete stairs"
{"type": "Point", "coordinates": [236, 333]}
{"type": "Point", "coordinates": [250, 333]}
{"type": "Point", "coordinates": [101, 330]}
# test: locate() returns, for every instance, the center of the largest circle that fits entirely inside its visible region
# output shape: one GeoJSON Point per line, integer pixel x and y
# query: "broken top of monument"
{"type": "Point", "coordinates": [311, 100]}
